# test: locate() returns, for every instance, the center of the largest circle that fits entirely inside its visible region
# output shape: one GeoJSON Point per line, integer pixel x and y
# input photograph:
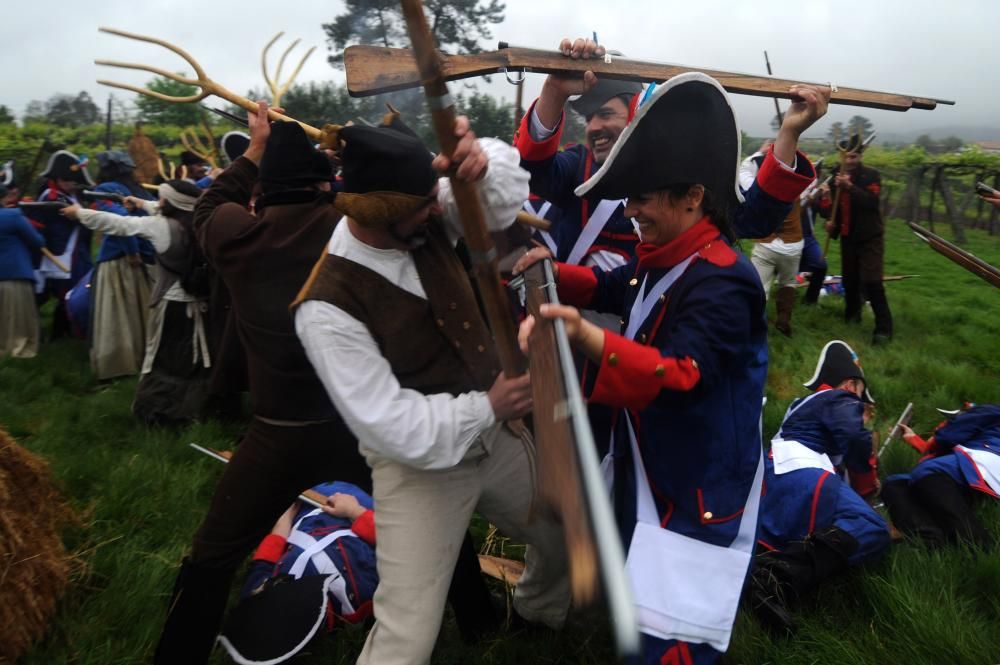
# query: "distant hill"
{"type": "Point", "coordinates": [966, 133]}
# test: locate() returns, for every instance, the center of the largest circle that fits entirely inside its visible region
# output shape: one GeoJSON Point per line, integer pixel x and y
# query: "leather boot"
{"type": "Point", "coordinates": [784, 303]}
{"type": "Point", "coordinates": [781, 578]}
{"type": "Point", "coordinates": [194, 615]}
{"type": "Point", "coordinates": [950, 506]}
{"type": "Point", "coordinates": [908, 515]}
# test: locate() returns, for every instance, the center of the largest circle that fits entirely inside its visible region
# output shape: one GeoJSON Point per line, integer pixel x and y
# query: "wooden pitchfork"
{"type": "Point", "coordinates": [202, 144]}
{"type": "Point", "coordinates": [278, 89]}
{"type": "Point", "coordinates": [207, 86]}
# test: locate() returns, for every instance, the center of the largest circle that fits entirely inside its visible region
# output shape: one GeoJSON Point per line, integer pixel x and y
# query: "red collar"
{"type": "Point", "coordinates": [696, 238]}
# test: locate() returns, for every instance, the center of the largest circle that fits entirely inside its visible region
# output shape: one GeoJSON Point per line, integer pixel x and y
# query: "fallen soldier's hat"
{"type": "Point", "coordinates": [277, 622]}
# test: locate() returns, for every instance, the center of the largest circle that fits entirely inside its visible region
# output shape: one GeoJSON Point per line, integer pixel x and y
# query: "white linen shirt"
{"type": "Point", "coordinates": [406, 426]}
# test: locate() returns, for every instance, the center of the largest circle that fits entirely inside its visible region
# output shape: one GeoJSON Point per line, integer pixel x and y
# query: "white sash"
{"type": "Point", "coordinates": [684, 588]}
{"type": "Point", "coordinates": [47, 269]}
{"type": "Point", "coordinates": [315, 551]}
{"type": "Point", "coordinates": [550, 242]}
{"type": "Point", "coordinates": [598, 220]}
{"type": "Point", "coordinates": [792, 455]}
{"type": "Point", "coordinates": [988, 464]}
{"type": "Point", "coordinates": [643, 305]}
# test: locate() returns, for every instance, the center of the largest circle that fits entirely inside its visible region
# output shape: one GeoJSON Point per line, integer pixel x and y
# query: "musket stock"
{"type": "Point", "coordinates": [967, 260]}
{"type": "Point", "coordinates": [373, 70]}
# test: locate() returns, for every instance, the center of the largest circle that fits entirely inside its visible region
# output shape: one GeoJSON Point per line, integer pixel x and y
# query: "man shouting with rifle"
{"type": "Point", "coordinates": [391, 323]}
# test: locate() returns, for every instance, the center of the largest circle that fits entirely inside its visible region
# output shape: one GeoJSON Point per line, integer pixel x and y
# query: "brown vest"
{"type": "Point", "coordinates": [437, 345]}
{"type": "Point", "coordinates": [791, 228]}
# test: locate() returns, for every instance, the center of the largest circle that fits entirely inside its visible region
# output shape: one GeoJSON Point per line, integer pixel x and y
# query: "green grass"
{"type": "Point", "coordinates": [141, 493]}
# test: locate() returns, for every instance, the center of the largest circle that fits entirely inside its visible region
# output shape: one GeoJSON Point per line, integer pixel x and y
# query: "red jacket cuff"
{"type": "Point", "coordinates": [271, 548]}
{"type": "Point", "coordinates": [918, 443]}
{"type": "Point", "coordinates": [364, 527]}
{"type": "Point", "coordinates": [779, 182]}
{"type": "Point", "coordinates": [864, 483]}
{"type": "Point", "coordinates": [532, 151]}
{"type": "Point", "coordinates": [632, 375]}
{"type": "Point", "coordinates": [576, 285]}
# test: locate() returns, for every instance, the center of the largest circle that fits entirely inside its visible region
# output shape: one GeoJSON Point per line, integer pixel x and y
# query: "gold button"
{"type": "Point", "coordinates": [660, 370]}
{"type": "Point", "coordinates": [457, 344]}
{"type": "Point", "coordinates": [633, 282]}
{"type": "Point", "coordinates": [663, 297]}
{"type": "Point", "coordinates": [694, 363]}
{"type": "Point", "coordinates": [621, 322]}
{"type": "Point", "coordinates": [642, 338]}
{"type": "Point", "coordinates": [453, 306]}
{"type": "Point", "coordinates": [466, 325]}
{"type": "Point", "coordinates": [708, 515]}
{"type": "Point", "coordinates": [440, 323]}
{"type": "Point", "coordinates": [481, 348]}
{"type": "Point", "coordinates": [613, 359]}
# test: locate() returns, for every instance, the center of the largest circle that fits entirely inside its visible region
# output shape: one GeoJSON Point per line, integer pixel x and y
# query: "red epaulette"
{"type": "Point", "coordinates": [718, 253]}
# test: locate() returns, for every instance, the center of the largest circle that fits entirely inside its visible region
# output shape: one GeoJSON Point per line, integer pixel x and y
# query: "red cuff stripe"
{"type": "Point", "coordinates": [632, 375]}
{"type": "Point", "coordinates": [530, 150]}
{"type": "Point", "coordinates": [364, 526]}
{"type": "Point", "coordinates": [781, 183]}
{"type": "Point", "coordinates": [576, 285]}
{"type": "Point", "coordinates": [271, 548]}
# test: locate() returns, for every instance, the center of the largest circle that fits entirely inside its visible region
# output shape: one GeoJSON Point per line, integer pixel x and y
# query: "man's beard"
{"type": "Point", "coordinates": [413, 240]}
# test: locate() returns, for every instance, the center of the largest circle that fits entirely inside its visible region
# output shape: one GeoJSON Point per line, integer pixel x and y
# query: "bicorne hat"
{"type": "Point", "coordinates": [854, 143]}
{"type": "Point", "coordinates": [234, 144]}
{"type": "Point", "coordinates": [685, 133]}
{"type": "Point", "coordinates": [838, 362]}
{"type": "Point", "coordinates": [64, 165]}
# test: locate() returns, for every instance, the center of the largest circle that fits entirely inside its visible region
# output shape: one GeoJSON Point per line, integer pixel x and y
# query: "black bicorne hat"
{"type": "Point", "coordinates": [854, 143]}
{"type": "Point", "coordinates": [589, 102]}
{"type": "Point", "coordinates": [64, 165]}
{"type": "Point", "coordinates": [277, 622]}
{"type": "Point", "coordinates": [234, 144]}
{"type": "Point", "coordinates": [838, 362]}
{"type": "Point", "coordinates": [686, 132]}
{"type": "Point", "coordinates": [290, 160]}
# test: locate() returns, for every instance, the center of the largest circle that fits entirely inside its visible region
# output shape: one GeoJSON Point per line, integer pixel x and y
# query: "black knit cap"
{"type": "Point", "coordinates": [290, 161]}
{"type": "Point", "coordinates": [385, 159]}
{"type": "Point", "coordinates": [189, 158]}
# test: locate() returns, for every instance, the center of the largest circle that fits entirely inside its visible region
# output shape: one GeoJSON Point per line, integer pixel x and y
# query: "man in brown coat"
{"type": "Point", "coordinates": [296, 438]}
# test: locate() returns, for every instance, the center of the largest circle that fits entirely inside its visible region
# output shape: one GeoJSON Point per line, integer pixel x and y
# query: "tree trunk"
{"type": "Point", "coordinates": [993, 209]}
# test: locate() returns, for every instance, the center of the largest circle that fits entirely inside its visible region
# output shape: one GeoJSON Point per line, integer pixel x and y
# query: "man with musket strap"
{"type": "Point", "coordinates": [391, 322]}
{"type": "Point", "coordinates": [814, 522]}
{"type": "Point", "coordinates": [69, 241]}
{"type": "Point", "coordinates": [858, 223]}
{"type": "Point", "coordinates": [686, 376]}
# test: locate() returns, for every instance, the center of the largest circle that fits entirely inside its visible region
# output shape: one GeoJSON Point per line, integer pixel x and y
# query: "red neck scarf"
{"type": "Point", "coordinates": [678, 249]}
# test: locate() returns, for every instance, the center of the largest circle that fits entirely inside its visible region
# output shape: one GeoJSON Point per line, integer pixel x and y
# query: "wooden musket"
{"type": "Point", "coordinates": [956, 254]}
{"type": "Point", "coordinates": [904, 419]}
{"type": "Point", "coordinates": [374, 69]}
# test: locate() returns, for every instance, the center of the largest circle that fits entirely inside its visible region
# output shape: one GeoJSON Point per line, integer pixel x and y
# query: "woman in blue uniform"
{"type": "Point", "coordinates": [814, 522]}
{"type": "Point", "coordinates": [686, 377]}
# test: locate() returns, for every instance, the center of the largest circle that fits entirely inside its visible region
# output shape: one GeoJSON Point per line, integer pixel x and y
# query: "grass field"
{"type": "Point", "coordinates": [141, 492]}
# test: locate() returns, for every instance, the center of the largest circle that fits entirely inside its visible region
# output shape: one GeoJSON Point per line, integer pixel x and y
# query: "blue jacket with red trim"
{"type": "Point", "coordinates": [353, 556]}
{"type": "Point", "coordinates": [115, 247]}
{"type": "Point", "coordinates": [975, 429]}
{"type": "Point", "coordinates": [58, 230]}
{"type": "Point", "coordinates": [555, 175]}
{"type": "Point", "coordinates": [693, 381]}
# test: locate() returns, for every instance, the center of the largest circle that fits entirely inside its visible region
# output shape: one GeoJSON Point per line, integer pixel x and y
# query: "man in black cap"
{"type": "Point", "coordinates": [196, 169]}
{"type": "Point", "coordinates": [595, 232]}
{"type": "Point", "coordinates": [390, 320]}
{"type": "Point", "coordinates": [65, 174]}
{"type": "Point", "coordinates": [859, 225]}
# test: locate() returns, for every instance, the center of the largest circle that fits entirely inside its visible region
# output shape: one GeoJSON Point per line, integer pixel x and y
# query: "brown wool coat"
{"type": "Point", "coordinates": [264, 261]}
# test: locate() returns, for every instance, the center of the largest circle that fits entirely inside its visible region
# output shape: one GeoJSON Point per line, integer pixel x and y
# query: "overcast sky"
{"type": "Point", "coordinates": [937, 49]}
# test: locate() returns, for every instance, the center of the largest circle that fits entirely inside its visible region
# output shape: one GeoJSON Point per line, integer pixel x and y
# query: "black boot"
{"type": "Point", "coordinates": [470, 598]}
{"type": "Point", "coordinates": [880, 308]}
{"type": "Point", "coordinates": [782, 578]}
{"type": "Point", "coordinates": [815, 286]}
{"type": "Point", "coordinates": [194, 615]}
{"type": "Point", "coordinates": [951, 507]}
{"type": "Point", "coordinates": [909, 516]}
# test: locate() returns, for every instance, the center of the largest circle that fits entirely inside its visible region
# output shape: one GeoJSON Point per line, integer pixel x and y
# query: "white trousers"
{"type": "Point", "coordinates": [771, 264]}
{"type": "Point", "coordinates": [420, 521]}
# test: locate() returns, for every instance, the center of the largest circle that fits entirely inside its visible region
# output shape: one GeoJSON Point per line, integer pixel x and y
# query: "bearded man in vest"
{"type": "Point", "coordinates": [391, 323]}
